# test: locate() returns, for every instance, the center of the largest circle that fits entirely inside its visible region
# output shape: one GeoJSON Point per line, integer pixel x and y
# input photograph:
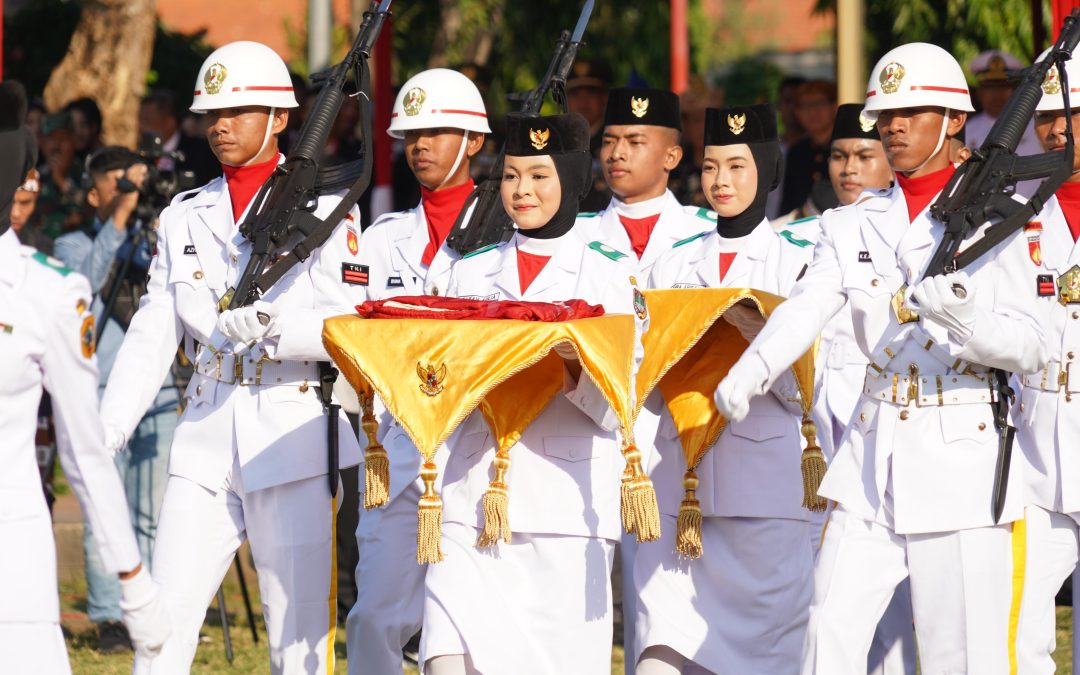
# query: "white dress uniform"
{"type": "Point", "coordinates": [249, 456]}
{"type": "Point", "coordinates": [914, 475]}
{"type": "Point", "coordinates": [676, 222]}
{"type": "Point", "coordinates": [741, 607]}
{"type": "Point", "coordinates": [1047, 431]}
{"type": "Point", "coordinates": [46, 333]}
{"type": "Point", "coordinates": [841, 368]}
{"type": "Point", "coordinates": [541, 604]}
{"type": "Point", "coordinates": [386, 615]}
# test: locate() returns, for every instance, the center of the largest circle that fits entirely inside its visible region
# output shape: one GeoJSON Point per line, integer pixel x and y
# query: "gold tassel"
{"type": "Point", "coordinates": [639, 498]}
{"type": "Point", "coordinates": [625, 511]}
{"type": "Point", "coordinates": [813, 468]}
{"type": "Point", "coordinates": [429, 516]}
{"type": "Point", "coordinates": [376, 461]}
{"type": "Point", "coordinates": [496, 505]}
{"type": "Point", "coordinates": [688, 537]}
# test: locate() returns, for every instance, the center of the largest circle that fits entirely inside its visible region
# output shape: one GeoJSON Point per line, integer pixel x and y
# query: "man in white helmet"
{"type": "Point", "coordinates": [1049, 423]}
{"type": "Point", "coordinates": [913, 476]}
{"type": "Point", "coordinates": [440, 116]}
{"type": "Point", "coordinates": [249, 457]}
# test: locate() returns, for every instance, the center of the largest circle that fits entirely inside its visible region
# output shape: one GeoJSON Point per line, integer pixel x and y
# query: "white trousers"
{"type": "Point", "coordinates": [965, 599]}
{"type": "Point", "coordinates": [291, 530]}
{"type": "Point", "coordinates": [1052, 555]}
{"type": "Point", "coordinates": [389, 607]}
{"type": "Point", "coordinates": [36, 648]}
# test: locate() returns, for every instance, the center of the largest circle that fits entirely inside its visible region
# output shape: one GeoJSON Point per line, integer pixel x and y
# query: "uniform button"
{"type": "Point", "coordinates": [198, 275]}
{"type": "Point", "coordinates": [982, 426]}
{"type": "Point", "coordinates": [1021, 407]}
{"type": "Point", "coordinates": [304, 387]}
{"type": "Point", "coordinates": [874, 283]}
{"type": "Point", "coordinates": [233, 258]}
{"type": "Point", "coordinates": [198, 390]}
{"type": "Point", "coordinates": [904, 414]}
{"type": "Point", "coordinates": [862, 417]}
{"type": "Point", "coordinates": [1076, 315]}
{"type": "Point", "coordinates": [434, 291]}
{"type": "Point", "coordinates": [1071, 356]}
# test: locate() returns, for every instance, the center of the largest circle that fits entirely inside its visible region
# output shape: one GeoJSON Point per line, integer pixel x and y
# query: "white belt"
{"type": "Point", "coordinates": [1056, 376]}
{"type": "Point", "coordinates": [244, 370]}
{"type": "Point", "coordinates": [928, 390]}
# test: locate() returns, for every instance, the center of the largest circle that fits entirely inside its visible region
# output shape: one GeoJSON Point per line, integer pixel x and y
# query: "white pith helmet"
{"type": "Point", "coordinates": [914, 75]}
{"type": "Point", "coordinates": [1051, 86]}
{"type": "Point", "coordinates": [240, 74]}
{"type": "Point", "coordinates": [435, 98]}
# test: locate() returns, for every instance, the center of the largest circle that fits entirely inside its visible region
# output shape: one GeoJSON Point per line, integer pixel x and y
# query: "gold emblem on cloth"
{"type": "Point", "coordinates": [539, 138]}
{"type": "Point", "coordinates": [215, 78]}
{"type": "Point", "coordinates": [865, 124]}
{"type": "Point", "coordinates": [890, 77]}
{"type": "Point", "coordinates": [737, 123]}
{"type": "Point", "coordinates": [639, 106]}
{"type": "Point", "coordinates": [1069, 286]}
{"type": "Point", "coordinates": [413, 101]}
{"type": "Point", "coordinates": [902, 312]}
{"type": "Point", "coordinates": [432, 381]}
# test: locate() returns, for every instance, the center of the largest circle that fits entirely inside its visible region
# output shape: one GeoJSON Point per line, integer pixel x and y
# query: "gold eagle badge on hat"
{"type": "Point", "coordinates": [890, 77]}
{"type": "Point", "coordinates": [737, 123]}
{"type": "Point", "coordinates": [865, 124]}
{"type": "Point", "coordinates": [1052, 82]}
{"type": "Point", "coordinates": [539, 138]}
{"type": "Point", "coordinates": [215, 77]}
{"type": "Point", "coordinates": [639, 106]}
{"type": "Point", "coordinates": [414, 100]}
{"type": "Point", "coordinates": [432, 381]}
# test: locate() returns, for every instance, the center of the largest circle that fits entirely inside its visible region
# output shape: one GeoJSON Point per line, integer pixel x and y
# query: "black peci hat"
{"type": "Point", "coordinates": [552, 135]}
{"type": "Point", "coordinates": [638, 105]}
{"type": "Point", "coordinates": [740, 124]}
{"type": "Point", "coordinates": [850, 123]}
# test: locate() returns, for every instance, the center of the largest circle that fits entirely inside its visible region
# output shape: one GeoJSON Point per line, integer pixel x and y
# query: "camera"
{"type": "Point", "coordinates": [163, 179]}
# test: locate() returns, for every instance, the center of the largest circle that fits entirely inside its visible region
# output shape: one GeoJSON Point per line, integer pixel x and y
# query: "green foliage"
{"type": "Point", "coordinates": [751, 81]}
{"type": "Point", "coordinates": [964, 27]}
{"type": "Point", "coordinates": [176, 61]}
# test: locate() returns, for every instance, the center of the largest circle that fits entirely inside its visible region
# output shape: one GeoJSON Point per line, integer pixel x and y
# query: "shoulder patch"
{"type": "Point", "coordinates": [479, 251]}
{"type": "Point", "coordinates": [701, 212]}
{"type": "Point", "coordinates": [51, 263]}
{"type": "Point", "coordinates": [699, 235]}
{"type": "Point", "coordinates": [606, 251]}
{"type": "Point", "coordinates": [588, 214]}
{"type": "Point", "coordinates": [801, 243]}
{"type": "Point", "coordinates": [807, 219]}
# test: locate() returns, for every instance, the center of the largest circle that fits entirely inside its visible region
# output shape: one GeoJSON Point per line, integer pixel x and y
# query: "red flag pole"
{"type": "Point", "coordinates": [382, 198]}
{"type": "Point", "coordinates": [680, 47]}
{"type": "Point", "coordinates": [1, 39]}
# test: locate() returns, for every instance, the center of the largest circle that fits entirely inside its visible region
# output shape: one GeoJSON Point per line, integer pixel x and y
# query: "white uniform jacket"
{"type": "Point", "coordinates": [391, 251]}
{"type": "Point", "coordinates": [936, 461]}
{"type": "Point", "coordinates": [677, 222]}
{"type": "Point", "coordinates": [753, 470]}
{"type": "Point", "coordinates": [46, 338]}
{"type": "Point", "coordinates": [564, 475]}
{"type": "Point", "coordinates": [274, 420]}
{"type": "Point", "coordinates": [1049, 424]}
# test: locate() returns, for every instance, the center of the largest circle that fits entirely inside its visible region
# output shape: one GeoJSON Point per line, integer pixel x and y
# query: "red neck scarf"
{"type": "Point", "coordinates": [639, 230]}
{"type": "Point", "coordinates": [529, 267]}
{"type": "Point", "coordinates": [441, 207]}
{"type": "Point", "coordinates": [918, 192]}
{"type": "Point", "coordinates": [1068, 196]}
{"type": "Point", "coordinates": [244, 182]}
{"type": "Point", "coordinates": [725, 263]}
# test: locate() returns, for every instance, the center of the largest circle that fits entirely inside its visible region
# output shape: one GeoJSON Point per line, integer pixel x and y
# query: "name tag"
{"type": "Point", "coordinates": [189, 249]}
{"type": "Point", "coordinates": [395, 282]}
{"type": "Point", "coordinates": [864, 256]}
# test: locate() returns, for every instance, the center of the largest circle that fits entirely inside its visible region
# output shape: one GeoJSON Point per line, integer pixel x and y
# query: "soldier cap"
{"type": "Point", "coordinates": [639, 105]}
{"type": "Point", "coordinates": [850, 123]}
{"type": "Point", "coordinates": [552, 135]}
{"type": "Point", "coordinates": [741, 124]}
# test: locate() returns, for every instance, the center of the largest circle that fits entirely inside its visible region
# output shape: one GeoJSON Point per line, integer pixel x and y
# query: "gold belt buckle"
{"type": "Point", "coordinates": [900, 310]}
{"type": "Point", "coordinates": [238, 370]}
{"type": "Point", "coordinates": [1069, 286]}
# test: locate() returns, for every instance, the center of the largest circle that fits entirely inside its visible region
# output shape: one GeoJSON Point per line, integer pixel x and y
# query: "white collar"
{"type": "Point", "coordinates": [545, 247]}
{"type": "Point", "coordinates": [649, 207]}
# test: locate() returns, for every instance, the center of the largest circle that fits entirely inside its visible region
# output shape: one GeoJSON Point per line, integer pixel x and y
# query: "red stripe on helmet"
{"type": "Point", "coordinates": [235, 89]}
{"type": "Point", "coordinates": [451, 112]}
{"type": "Point", "coordinates": [947, 90]}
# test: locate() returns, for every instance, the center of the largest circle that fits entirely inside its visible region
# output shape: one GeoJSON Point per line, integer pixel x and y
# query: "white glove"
{"type": "Point", "coordinates": [246, 325]}
{"type": "Point", "coordinates": [745, 380]}
{"type": "Point", "coordinates": [566, 351]}
{"type": "Point", "coordinates": [144, 614]}
{"type": "Point", "coordinates": [747, 319]}
{"type": "Point", "coordinates": [114, 439]}
{"type": "Point", "coordinates": [948, 301]}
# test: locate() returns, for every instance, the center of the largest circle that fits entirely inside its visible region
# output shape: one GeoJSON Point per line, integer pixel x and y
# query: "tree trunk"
{"type": "Point", "coordinates": [107, 61]}
{"type": "Point", "coordinates": [466, 32]}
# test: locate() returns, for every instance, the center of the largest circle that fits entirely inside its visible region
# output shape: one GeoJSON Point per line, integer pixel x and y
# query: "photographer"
{"type": "Point", "coordinates": [114, 253]}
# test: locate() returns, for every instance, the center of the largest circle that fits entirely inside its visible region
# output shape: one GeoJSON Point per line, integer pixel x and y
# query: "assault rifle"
{"type": "Point", "coordinates": [281, 224]}
{"type": "Point", "coordinates": [489, 223]}
{"type": "Point", "coordinates": [981, 191]}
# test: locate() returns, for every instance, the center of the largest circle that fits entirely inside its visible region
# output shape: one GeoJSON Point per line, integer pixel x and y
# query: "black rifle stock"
{"type": "Point", "coordinates": [488, 222]}
{"type": "Point", "coordinates": [981, 191]}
